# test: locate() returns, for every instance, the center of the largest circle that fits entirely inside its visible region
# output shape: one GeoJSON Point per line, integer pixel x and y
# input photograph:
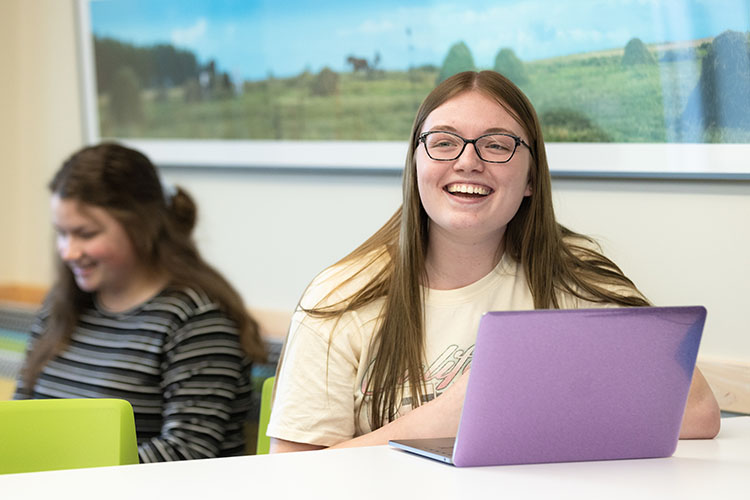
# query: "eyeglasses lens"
{"type": "Point", "coordinates": [494, 147]}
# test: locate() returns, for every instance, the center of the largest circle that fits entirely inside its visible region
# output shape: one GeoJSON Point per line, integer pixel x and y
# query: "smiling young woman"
{"type": "Point", "coordinates": [137, 314]}
{"type": "Point", "coordinates": [380, 343]}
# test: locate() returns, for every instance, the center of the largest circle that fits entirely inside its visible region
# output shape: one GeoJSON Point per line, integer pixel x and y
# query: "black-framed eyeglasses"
{"type": "Point", "coordinates": [493, 148]}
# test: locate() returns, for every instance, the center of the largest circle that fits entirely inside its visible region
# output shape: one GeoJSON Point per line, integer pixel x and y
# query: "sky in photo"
{"type": "Point", "coordinates": [255, 39]}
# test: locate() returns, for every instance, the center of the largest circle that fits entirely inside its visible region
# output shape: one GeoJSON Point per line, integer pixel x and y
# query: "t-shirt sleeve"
{"type": "Point", "coordinates": [204, 376]}
{"type": "Point", "coordinates": [314, 398]}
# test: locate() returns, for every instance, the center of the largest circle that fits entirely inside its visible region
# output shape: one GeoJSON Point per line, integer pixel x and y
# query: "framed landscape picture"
{"type": "Point", "coordinates": [622, 88]}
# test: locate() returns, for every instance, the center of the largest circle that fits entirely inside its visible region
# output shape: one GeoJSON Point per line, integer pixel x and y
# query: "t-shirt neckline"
{"type": "Point", "coordinates": [467, 293]}
{"type": "Point", "coordinates": [127, 312]}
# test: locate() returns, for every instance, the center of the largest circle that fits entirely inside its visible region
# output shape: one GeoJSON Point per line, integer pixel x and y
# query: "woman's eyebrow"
{"type": "Point", "coordinates": [500, 130]}
{"type": "Point", "coordinates": [493, 130]}
{"type": "Point", "coordinates": [446, 128]}
{"type": "Point", "coordinates": [80, 228]}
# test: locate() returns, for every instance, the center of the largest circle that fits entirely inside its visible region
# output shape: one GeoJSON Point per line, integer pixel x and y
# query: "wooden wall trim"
{"type": "Point", "coordinates": [273, 323]}
{"type": "Point", "coordinates": [729, 381]}
{"type": "Point", "coordinates": [23, 294]}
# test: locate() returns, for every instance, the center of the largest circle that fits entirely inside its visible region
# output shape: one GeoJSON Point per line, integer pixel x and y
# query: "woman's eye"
{"type": "Point", "coordinates": [444, 142]}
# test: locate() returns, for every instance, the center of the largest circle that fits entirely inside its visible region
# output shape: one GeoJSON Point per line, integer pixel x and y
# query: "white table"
{"type": "Point", "coordinates": [701, 469]}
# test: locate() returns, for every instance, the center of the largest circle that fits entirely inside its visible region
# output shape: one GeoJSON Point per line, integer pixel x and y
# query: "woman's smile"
{"type": "Point", "coordinates": [464, 190]}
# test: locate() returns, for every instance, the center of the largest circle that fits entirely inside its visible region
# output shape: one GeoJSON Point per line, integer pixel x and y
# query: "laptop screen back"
{"type": "Point", "coordinates": [573, 385]}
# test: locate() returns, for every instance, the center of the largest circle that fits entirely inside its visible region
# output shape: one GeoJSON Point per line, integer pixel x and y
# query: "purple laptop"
{"type": "Point", "coordinates": [574, 385]}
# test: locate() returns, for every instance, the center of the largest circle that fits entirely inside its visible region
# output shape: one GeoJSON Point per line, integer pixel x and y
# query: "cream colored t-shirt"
{"type": "Point", "coordinates": [319, 390]}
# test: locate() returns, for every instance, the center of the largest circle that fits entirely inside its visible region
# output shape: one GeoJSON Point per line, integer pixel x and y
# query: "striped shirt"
{"type": "Point", "coordinates": [176, 358]}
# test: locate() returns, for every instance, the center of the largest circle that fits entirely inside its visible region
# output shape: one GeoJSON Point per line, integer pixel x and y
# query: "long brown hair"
{"type": "Point", "coordinates": [158, 223]}
{"type": "Point", "coordinates": [554, 259]}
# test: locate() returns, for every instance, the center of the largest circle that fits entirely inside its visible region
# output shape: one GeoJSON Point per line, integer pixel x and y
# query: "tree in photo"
{"type": "Point", "coordinates": [326, 83]}
{"type": "Point", "coordinates": [125, 97]}
{"type": "Point", "coordinates": [157, 66]}
{"type": "Point", "coordinates": [509, 65]}
{"type": "Point", "coordinates": [458, 59]}
{"type": "Point", "coordinates": [637, 53]}
{"type": "Point", "coordinates": [720, 98]}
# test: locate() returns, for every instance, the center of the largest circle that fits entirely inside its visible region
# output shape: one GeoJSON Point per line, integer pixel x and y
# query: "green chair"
{"type": "Point", "coordinates": [53, 434]}
{"type": "Point", "coordinates": [266, 400]}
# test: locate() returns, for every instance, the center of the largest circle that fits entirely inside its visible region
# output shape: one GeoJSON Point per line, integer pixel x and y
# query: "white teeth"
{"type": "Point", "coordinates": [468, 189]}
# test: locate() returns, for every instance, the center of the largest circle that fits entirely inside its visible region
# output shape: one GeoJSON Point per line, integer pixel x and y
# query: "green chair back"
{"type": "Point", "coordinates": [53, 434]}
{"type": "Point", "coordinates": [266, 400]}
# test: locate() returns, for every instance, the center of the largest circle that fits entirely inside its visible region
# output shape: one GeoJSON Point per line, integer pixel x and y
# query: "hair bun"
{"type": "Point", "coordinates": [183, 210]}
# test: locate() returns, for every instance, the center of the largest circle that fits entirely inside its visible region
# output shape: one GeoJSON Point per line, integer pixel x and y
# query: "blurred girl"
{"type": "Point", "coordinates": [137, 314]}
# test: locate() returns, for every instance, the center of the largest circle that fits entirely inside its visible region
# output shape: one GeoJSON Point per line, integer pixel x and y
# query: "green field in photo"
{"type": "Point", "coordinates": [580, 98]}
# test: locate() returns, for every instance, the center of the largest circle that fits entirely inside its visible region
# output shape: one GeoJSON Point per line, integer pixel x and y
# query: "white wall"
{"type": "Point", "coordinates": [39, 125]}
{"type": "Point", "coordinates": [9, 173]}
{"type": "Point", "coordinates": [271, 233]}
{"type": "Point", "coordinates": [683, 242]}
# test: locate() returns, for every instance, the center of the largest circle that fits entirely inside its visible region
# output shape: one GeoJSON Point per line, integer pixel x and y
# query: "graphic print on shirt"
{"type": "Point", "coordinates": [438, 376]}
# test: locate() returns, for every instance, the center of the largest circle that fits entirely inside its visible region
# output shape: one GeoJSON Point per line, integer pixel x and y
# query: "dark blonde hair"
{"type": "Point", "coordinates": [125, 183]}
{"type": "Point", "coordinates": [554, 259]}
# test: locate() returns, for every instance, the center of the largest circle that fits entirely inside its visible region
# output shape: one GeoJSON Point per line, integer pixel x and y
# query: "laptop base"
{"type": "Point", "coordinates": [435, 448]}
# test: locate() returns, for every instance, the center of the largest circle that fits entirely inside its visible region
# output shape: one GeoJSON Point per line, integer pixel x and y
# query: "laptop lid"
{"type": "Point", "coordinates": [575, 385]}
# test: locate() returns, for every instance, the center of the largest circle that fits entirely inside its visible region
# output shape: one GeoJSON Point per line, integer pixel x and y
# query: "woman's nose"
{"type": "Point", "coordinates": [469, 160]}
{"type": "Point", "coordinates": [69, 249]}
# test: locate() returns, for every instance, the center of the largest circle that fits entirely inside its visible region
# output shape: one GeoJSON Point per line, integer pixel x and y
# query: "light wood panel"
{"type": "Point", "coordinates": [729, 381]}
{"type": "Point", "coordinates": [23, 294]}
{"type": "Point", "coordinates": [273, 323]}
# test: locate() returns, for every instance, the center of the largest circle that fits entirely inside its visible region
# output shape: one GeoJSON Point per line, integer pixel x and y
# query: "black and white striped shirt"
{"type": "Point", "coordinates": [176, 358]}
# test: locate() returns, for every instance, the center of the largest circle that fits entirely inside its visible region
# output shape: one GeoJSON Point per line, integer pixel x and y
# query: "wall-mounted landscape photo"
{"type": "Point", "coordinates": [622, 71]}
